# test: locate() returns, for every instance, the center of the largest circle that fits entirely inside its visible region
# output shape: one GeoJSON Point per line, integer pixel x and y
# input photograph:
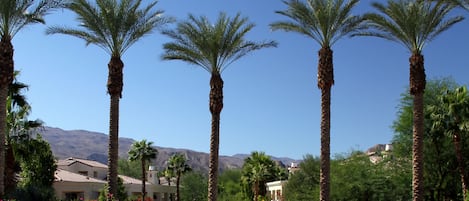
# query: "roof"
{"type": "Point", "coordinates": [71, 160]}
{"type": "Point", "coordinates": [64, 175]}
{"type": "Point", "coordinates": [130, 180]}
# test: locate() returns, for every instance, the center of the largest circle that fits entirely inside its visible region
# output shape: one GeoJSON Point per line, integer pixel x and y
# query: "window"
{"type": "Point", "coordinates": [95, 174]}
{"type": "Point", "coordinates": [83, 173]}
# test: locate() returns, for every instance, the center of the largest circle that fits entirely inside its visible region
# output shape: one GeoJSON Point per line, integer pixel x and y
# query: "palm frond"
{"type": "Point", "coordinates": [114, 26]}
{"type": "Point", "coordinates": [211, 46]}
{"type": "Point", "coordinates": [411, 23]}
{"type": "Point", "coordinates": [323, 21]}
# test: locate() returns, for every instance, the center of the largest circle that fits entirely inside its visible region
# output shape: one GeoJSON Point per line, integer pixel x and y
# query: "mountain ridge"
{"type": "Point", "coordinates": [93, 146]}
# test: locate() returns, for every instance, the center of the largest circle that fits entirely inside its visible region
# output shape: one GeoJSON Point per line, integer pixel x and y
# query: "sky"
{"type": "Point", "coordinates": [271, 99]}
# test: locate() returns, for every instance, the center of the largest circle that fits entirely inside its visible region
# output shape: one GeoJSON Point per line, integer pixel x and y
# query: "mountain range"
{"type": "Point", "coordinates": [94, 146]}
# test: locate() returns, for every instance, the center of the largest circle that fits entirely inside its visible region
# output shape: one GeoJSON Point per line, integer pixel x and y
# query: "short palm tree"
{"type": "Point", "coordinates": [258, 169]}
{"type": "Point", "coordinates": [14, 16]}
{"type": "Point", "coordinates": [324, 21]}
{"type": "Point", "coordinates": [114, 26]}
{"type": "Point", "coordinates": [144, 152]}
{"type": "Point", "coordinates": [213, 47]}
{"type": "Point", "coordinates": [412, 24]}
{"type": "Point", "coordinates": [177, 163]}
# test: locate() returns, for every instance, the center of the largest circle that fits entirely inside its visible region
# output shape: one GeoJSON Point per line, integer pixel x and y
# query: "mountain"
{"type": "Point", "coordinates": [93, 146]}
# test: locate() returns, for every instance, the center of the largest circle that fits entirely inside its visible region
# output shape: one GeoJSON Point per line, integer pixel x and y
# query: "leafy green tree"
{"type": "Point", "coordinates": [114, 26]}
{"type": "Point", "coordinates": [194, 187]}
{"type": "Point", "coordinates": [212, 46]}
{"type": "Point", "coordinates": [441, 181]}
{"type": "Point", "coordinates": [178, 164]}
{"type": "Point", "coordinates": [144, 152]}
{"type": "Point", "coordinates": [451, 117]}
{"type": "Point", "coordinates": [129, 168]}
{"type": "Point", "coordinates": [412, 24]}
{"type": "Point", "coordinates": [303, 184]}
{"type": "Point", "coordinates": [14, 15]}
{"type": "Point", "coordinates": [230, 188]}
{"type": "Point", "coordinates": [19, 128]}
{"type": "Point", "coordinates": [38, 168]}
{"type": "Point", "coordinates": [324, 21]}
{"type": "Point", "coordinates": [258, 169]}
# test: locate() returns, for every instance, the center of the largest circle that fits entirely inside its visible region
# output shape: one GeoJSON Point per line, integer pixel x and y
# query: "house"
{"type": "Point", "coordinates": [275, 188]}
{"type": "Point", "coordinates": [79, 178]}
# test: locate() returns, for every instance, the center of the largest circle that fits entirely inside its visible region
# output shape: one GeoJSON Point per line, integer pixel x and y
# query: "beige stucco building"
{"type": "Point", "coordinates": [79, 178]}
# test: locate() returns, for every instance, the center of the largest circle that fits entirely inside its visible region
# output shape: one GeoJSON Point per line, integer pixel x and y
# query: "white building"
{"type": "Point", "coordinates": [79, 178]}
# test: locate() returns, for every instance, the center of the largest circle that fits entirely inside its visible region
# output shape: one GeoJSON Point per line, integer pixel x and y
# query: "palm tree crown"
{"type": "Point", "coordinates": [142, 150]}
{"type": "Point", "coordinates": [410, 23]}
{"type": "Point", "coordinates": [16, 14]}
{"type": "Point", "coordinates": [323, 21]}
{"type": "Point", "coordinates": [113, 26]}
{"type": "Point", "coordinates": [211, 46]}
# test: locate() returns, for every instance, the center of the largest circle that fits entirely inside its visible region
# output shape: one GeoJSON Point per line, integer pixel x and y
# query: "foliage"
{"type": "Point", "coordinates": [303, 185]}
{"type": "Point", "coordinates": [258, 169]}
{"type": "Point", "coordinates": [144, 152]}
{"type": "Point", "coordinates": [121, 192]}
{"type": "Point", "coordinates": [230, 187]}
{"type": "Point", "coordinates": [178, 165]}
{"type": "Point", "coordinates": [31, 192]}
{"type": "Point", "coordinates": [129, 168]}
{"type": "Point", "coordinates": [194, 187]}
{"type": "Point", "coordinates": [441, 181]}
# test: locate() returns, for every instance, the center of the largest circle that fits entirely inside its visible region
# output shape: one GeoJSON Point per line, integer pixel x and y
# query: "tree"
{"type": "Point", "coordinates": [144, 152]}
{"type": "Point", "coordinates": [14, 15]}
{"type": "Point", "coordinates": [19, 129]}
{"type": "Point", "coordinates": [177, 164]}
{"type": "Point", "coordinates": [324, 21]}
{"type": "Point", "coordinates": [129, 168]}
{"type": "Point", "coordinates": [258, 169]}
{"type": "Point", "coordinates": [213, 47]}
{"type": "Point", "coordinates": [114, 27]}
{"type": "Point", "coordinates": [412, 24]}
{"type": "Point", "coordinates": [441, 181]}
{"type": "Point", "coordinates": [303, 185]}
{"type": "Point", "coordinates": [451, 117]}
{"type": "Point", "coordinates": [230, 186]}
{"type": "Point", "coordinates": [195, 187]}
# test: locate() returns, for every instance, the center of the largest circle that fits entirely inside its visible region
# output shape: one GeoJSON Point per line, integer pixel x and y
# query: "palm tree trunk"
{"type": "Point", "coordinates": [216, 105]}
{"type": "Point", "coordinates": [114, 85]}
{"type": "Point", "coordinates": [6, 78]}
{"type": "Point", "coordinates": [177, 185]}
{"type": "Point", "coordinates": [144, 192]}
{"type": "Point", "coordinates": [461, 166]}
{"type": "Point", "coordinates": [325, 82]}
{"type": "Point", "coordinates": [417, 89]}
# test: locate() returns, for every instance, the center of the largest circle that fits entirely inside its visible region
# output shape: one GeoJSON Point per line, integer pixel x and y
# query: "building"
{"type": "Point", "coordinates": [275, 188]}
{"type": "Point", "coordinates": [83, 179]}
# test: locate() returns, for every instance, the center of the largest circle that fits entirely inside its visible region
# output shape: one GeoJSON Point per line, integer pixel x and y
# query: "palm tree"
{"type": "Point", "coordinates": [412, 24]}
{"type": "Point", "coordinates": [213, 47]}
{"type": "Point", "coordinates": [325, 21]}
{"type": "Point", "coordinates": [14, 16]}
{"type": "Point", "coordinates": [113, 26]}
{"type": "Point", "coordinates": [144, 152]}
{"type": "Point", "coordinates": [177, 163]}
{"type": "Point", "coordinates": [258, 169]}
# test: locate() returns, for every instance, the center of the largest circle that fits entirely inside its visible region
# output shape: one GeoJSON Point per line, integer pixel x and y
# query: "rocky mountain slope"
{"type": "Point", "coordinates": [93, 145]}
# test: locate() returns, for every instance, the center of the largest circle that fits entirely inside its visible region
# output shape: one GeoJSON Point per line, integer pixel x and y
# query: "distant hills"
{"type": "Point", "coordinates": [93, 145]}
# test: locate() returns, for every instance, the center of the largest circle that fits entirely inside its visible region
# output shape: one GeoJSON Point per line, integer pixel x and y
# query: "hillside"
{"type": "Point", "coordinates": [93, 145]}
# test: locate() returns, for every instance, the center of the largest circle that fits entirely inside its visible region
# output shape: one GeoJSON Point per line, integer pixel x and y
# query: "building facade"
{"type": "Point", "coordinates": [80, 179]}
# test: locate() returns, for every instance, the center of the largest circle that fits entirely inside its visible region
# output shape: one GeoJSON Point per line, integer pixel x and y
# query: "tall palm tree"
{"type": "Point", "coordinates": [144, 152]}
{"type": "Point", "coordinates": [177, 163]}
{"type": "Point", "coordinates": [324, 21]}
{"type": "Point", "coordinates": [14, 16]}
{"type": "Point", "coordinates": [213, 47]}
{"type": "Point", "coordinates": [114, 26]}
{"type": "Point", "coordinates": [412, 24]}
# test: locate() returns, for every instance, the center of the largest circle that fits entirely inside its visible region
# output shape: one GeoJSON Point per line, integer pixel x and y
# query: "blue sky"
{"type": "Point", "coordinates": [271, 100]}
